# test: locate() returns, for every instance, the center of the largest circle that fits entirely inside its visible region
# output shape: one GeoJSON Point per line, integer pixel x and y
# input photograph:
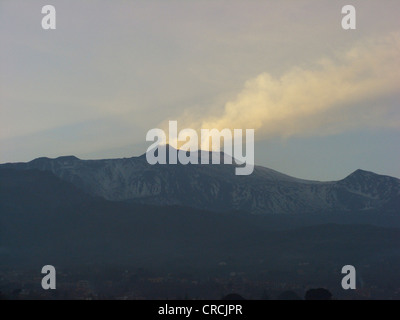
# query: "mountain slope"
{"type": "Point", "coordinates": [217, 188]}
{"type": "Point", "coordinates": [75, 229]}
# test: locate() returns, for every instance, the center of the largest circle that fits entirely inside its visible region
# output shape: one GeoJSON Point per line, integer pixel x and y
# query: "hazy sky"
{"type": "Point", "coordinates": [323, 101]}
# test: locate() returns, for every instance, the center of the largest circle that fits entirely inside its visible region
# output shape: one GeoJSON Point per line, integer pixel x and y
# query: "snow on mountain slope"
{"type": "Point", "coordinates": [216, 187]}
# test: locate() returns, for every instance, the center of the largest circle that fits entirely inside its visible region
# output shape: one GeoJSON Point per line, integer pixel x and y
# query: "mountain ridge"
{"type": "Point", "coordinates": [217, 188]}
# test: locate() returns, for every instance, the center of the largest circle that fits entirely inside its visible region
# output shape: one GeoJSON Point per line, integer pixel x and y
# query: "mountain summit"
{"type": "Point", "coordinates": [201, 155]}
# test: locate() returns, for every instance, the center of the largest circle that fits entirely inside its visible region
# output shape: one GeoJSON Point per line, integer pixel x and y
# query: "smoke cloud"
{"type": "Point", "coordinates": [358, 88]}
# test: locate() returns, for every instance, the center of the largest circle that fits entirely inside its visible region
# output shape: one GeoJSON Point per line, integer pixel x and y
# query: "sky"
{"type": "Point", "coordinates": [323, 101]}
